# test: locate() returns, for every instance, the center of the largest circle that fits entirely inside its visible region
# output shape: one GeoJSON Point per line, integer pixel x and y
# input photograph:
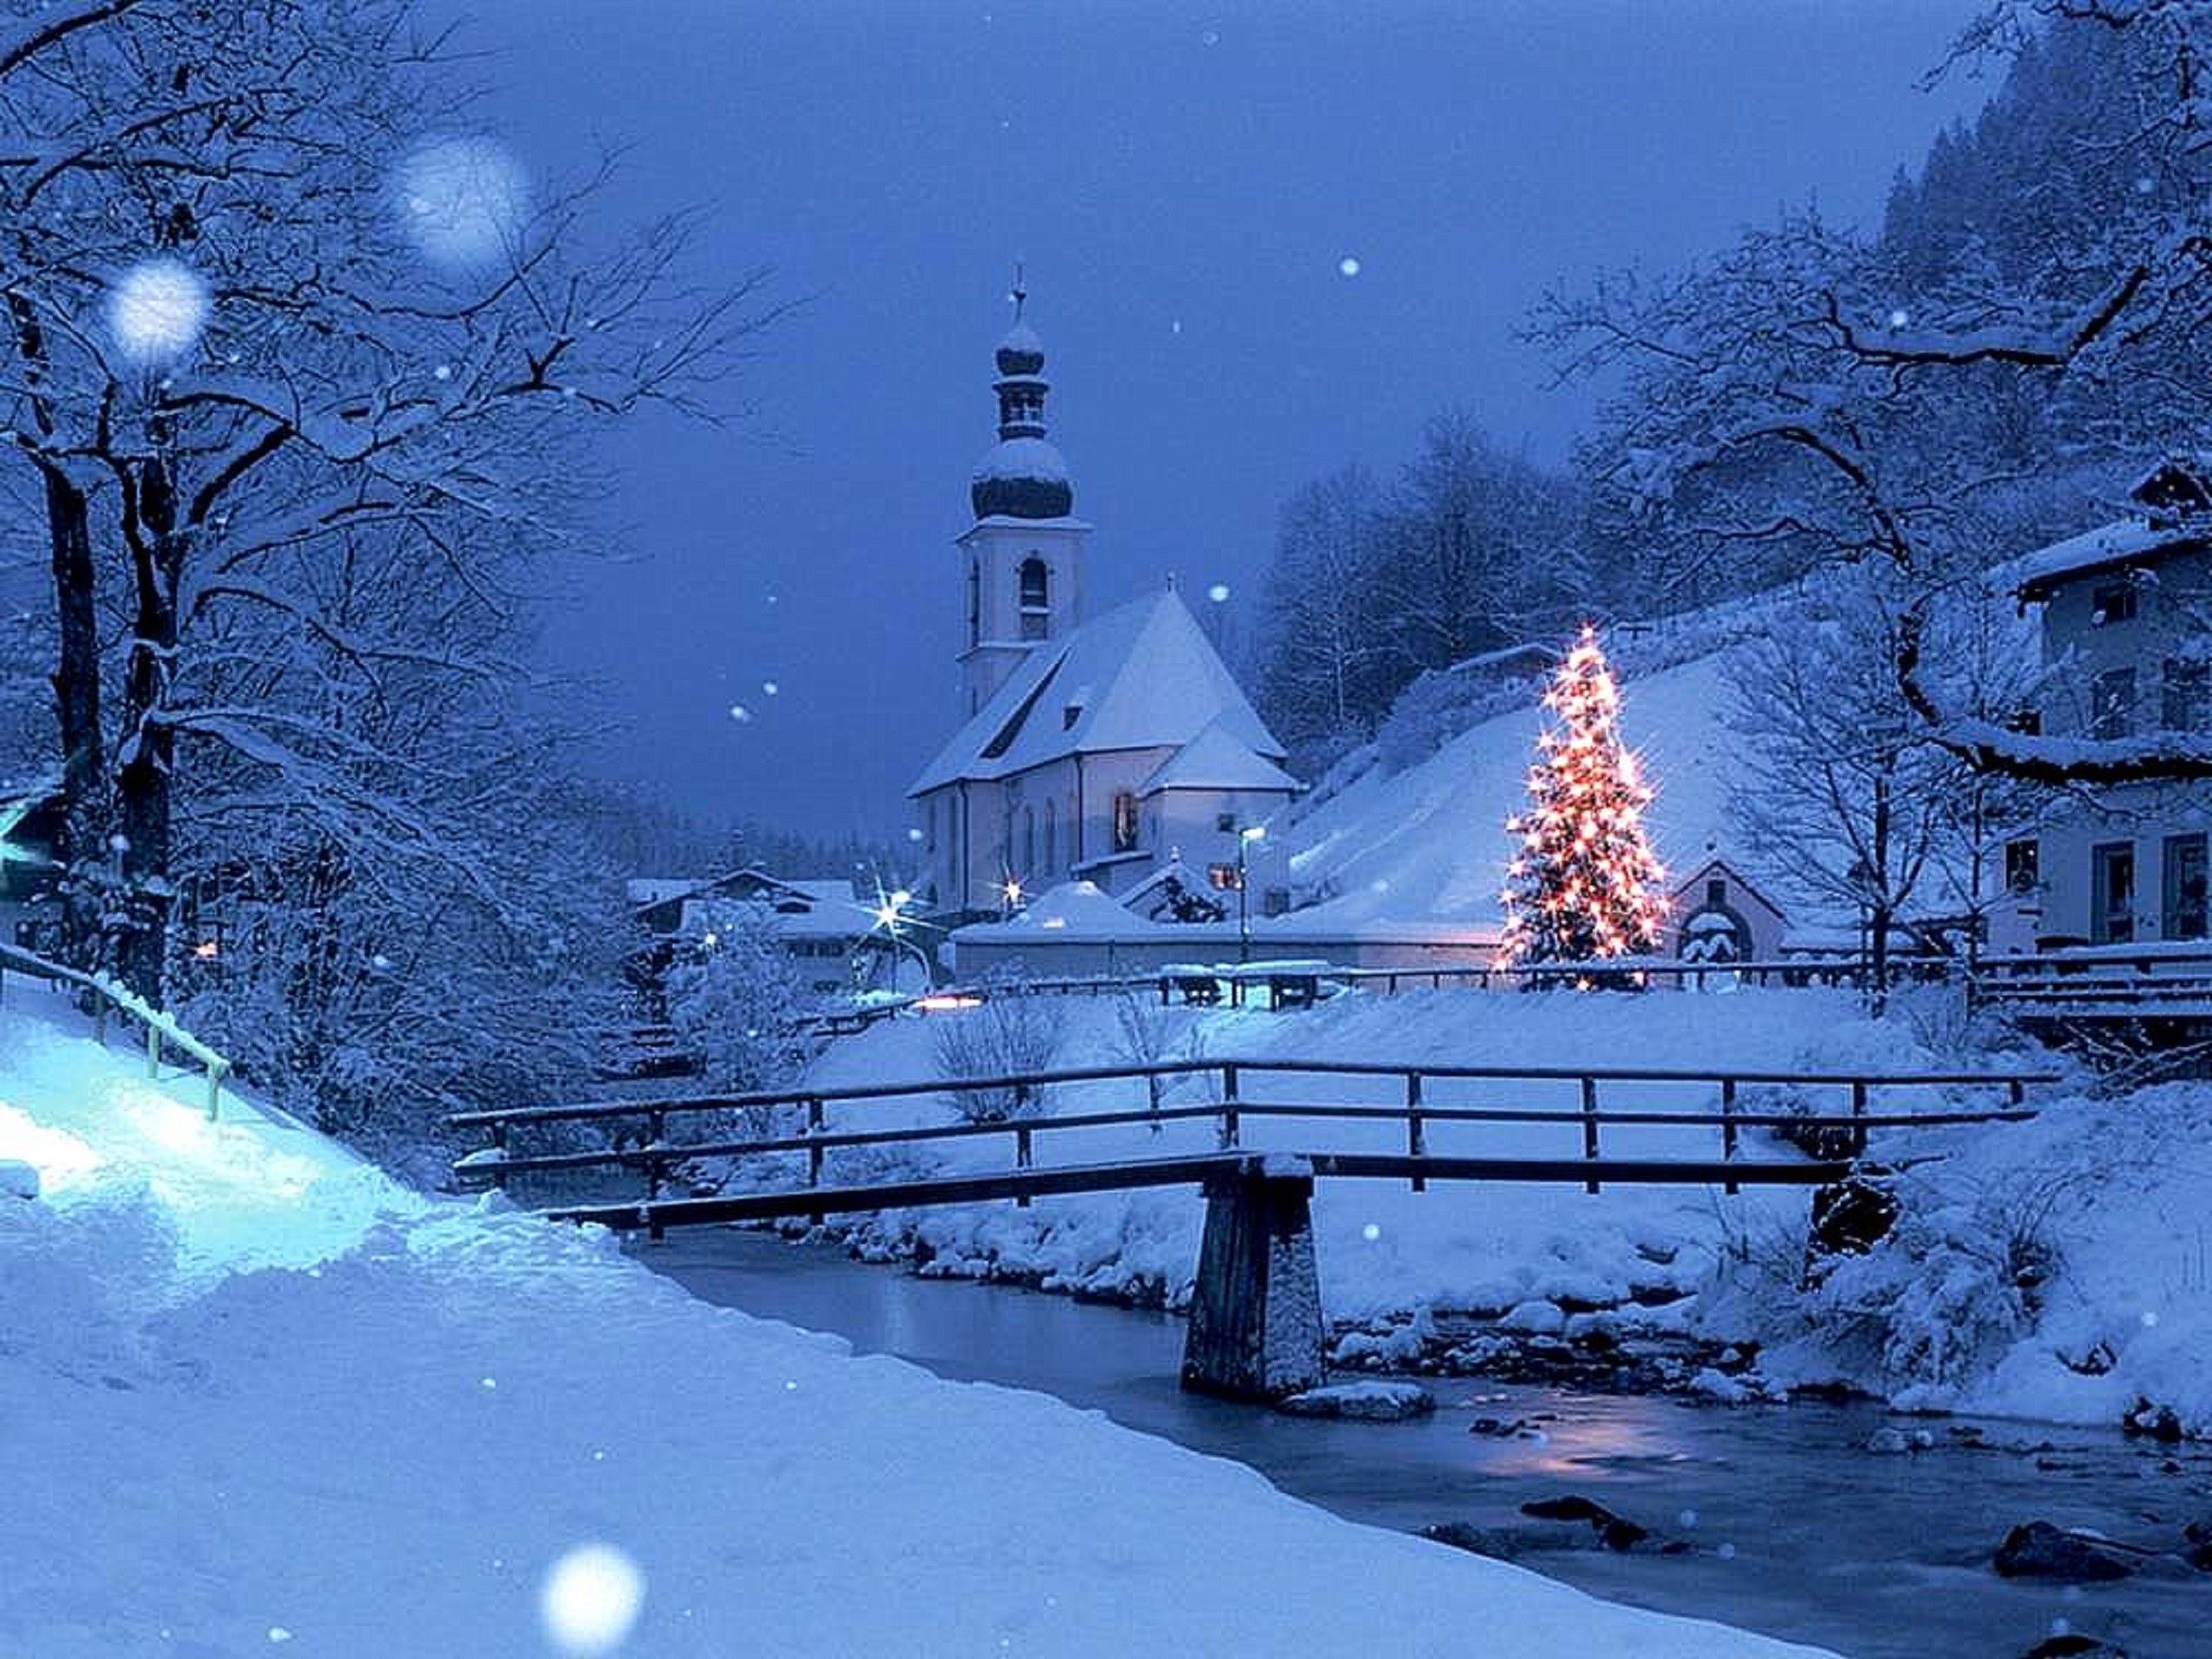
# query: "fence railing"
{"type": "Point", "coordinates": [655, 1155]}
{"type": "Point", "coordinates": [162, 1031]}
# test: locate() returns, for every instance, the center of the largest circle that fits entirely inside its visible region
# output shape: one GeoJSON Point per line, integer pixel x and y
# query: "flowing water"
{"type": "Point", "coordinates": [1794, 1528]}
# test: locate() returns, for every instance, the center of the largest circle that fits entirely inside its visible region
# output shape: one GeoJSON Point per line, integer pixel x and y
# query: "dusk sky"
{"type": "Point", "coordinates": [1185, 185]}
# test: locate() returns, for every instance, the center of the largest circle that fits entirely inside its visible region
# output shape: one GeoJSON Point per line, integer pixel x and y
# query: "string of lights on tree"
{"type": "Point", "coordinates": [1584, 882]}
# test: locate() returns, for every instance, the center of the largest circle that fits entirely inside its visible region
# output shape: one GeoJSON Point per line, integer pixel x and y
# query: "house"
{"type": "Point", "coordinates": [1091, 749]}
{"type": "Point", "coordinates": [1715, 914]}
{"type": "Point", "coordinates": [821, 925]}
{"type": "Point", "coordinates": [2127, 619]}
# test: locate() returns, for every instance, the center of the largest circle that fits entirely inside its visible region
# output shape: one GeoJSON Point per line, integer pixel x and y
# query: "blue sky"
{"type": "Point", "coordinates": [1183, 183]}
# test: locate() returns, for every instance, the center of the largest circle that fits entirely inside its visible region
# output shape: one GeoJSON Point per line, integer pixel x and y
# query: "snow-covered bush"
{"type": "Point", "coordinates": [739, 1004]}
{"type": "Point", "coordinates": [1012, 1032]}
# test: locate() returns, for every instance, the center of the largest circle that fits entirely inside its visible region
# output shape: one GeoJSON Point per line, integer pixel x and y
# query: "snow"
{"type": "Point", "coordinates": [1022, 458]}
{"type": "Point", "coordinates": [462, 201]}
{"type": "Point", "coordinates": [257, 1395]}
{"type": "Point", "coordinates": [156, 310]}
{"type": "Point", "coordinates": [1148, 678]}
{"type": "Point", "coordinates": [2032, 574]}
{"type": "Point", "coordinates": [1430, 841]}
{"type": "Point", "coordinates": [1216, 758]}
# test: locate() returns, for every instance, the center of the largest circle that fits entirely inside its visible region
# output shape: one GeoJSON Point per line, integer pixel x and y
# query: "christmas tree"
{"type": "Point", "coordinates": [1584, 882]}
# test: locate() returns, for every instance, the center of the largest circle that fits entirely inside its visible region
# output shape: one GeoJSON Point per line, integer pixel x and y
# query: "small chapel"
{"type": "Point", "coordinates": [1105, 749]}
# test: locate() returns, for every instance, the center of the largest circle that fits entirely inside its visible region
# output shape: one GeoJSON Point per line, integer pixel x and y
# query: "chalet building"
{"type": "Point", "coordinates": [821, 925]}
{"type": "Point", "coordinates": [2127, 613]}
{"type": "Point", "coordinates": [1097, 749]}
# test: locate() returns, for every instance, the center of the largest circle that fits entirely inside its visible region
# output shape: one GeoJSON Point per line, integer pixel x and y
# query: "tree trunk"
{"type": "Point", "coordinates": [76, 683]}
{"type": "Point", "coordinates": [146, 758]}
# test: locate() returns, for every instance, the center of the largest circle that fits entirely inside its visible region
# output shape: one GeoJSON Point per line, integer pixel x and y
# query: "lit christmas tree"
{"type": "Point", "coordinates": [1585, 882]}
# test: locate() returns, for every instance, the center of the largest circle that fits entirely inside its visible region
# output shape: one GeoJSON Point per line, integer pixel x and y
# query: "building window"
{"type": "Point", "coordinates": [1052, 838]}
{"type": "Point", "coordinates": [1028, 840]}
{"type": "Point", "coordinates": [1222, 878]}
{"type": "Point", "coordinates": [1716, 892]}
{"type": "Point", "coordinates": [1225, 822]}
{"type": "Point", "coordinates": [931, 842]}
{"type": "Point", "coordinates": [1125, 822]}
{"type": "Point", "coordinates": [2112, 601]}
{"type": "Point", "coordinates": [1036, 598]}
{"type": "Point", "coordinates": [974, 602]}
{"type": "Point", "coordinates": [2112, 703]}
{"type": "Point", "coordinates": [2187, 698]}
{"type": "Point", "coordinates": [2185, 887]}
{"type": "Point", "coordinates": [2023, 861]}
{"type": "Point", "coordinates": [2112, 893]}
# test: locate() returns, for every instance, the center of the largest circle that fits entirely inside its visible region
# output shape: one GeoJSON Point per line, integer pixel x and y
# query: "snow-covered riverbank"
{"type": "Point", "coordinates": [259, 1400]}
{"type": "Point", "coordinates": [2054, 1270]}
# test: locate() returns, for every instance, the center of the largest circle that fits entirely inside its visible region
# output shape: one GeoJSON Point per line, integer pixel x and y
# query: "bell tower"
{"type": "Point", "coordinates": [1022, 561]}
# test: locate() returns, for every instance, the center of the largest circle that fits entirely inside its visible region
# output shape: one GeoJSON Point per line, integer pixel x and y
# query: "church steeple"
{"type": "Point", "coordinates": [1023, 476]}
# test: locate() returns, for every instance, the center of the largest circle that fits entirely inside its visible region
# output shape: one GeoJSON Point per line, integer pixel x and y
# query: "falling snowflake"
{"type": "Point", "coordinates": [1347, 266]}
{"type": "Point", "coordinates": [1370, 1232]}
{"type": "Point", "coordinates": [1218, 592]}
{"type": "Point", "coordinates": [914, 835]}
{"type": "Point", "coordinates": [462, 201]}
{"type": "Point", "coordinates": [1899, 318]}
{"type": "Point", "coordinates": [156, 310]}
{"type": "Point", "coordinates": [740, 713]}
{"type": "Point", "coordinates": [769, 687]}
{"type": "Point", "coordinates": [590, 1599]}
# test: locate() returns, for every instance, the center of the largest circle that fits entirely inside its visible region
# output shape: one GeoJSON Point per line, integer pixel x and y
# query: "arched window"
{"type": "Point", "coordinates": [1036, 596]}
{"type": "Point", "coordinates": [1125, 821]}
{"type": "Point", "coordinates": [974, 602]}
{"type": "Point", "coordinates": [1029, 841]}
{"type": "Point", "coordinates": [1052, 839]}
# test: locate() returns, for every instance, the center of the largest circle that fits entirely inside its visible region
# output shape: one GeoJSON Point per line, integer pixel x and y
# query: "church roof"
{"type": "Point", "coordinates": [1218, 759]}
{"type": "Point", "coordinates": [1141, 676]}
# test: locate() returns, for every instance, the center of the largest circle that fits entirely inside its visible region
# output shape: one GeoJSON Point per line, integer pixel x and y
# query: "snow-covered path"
{"type": "Point", "coordinates": [253, 1397]}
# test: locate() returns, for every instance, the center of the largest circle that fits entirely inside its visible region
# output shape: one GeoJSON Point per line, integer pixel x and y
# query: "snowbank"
{"type": "Point", "coordinates": [257, 1398]}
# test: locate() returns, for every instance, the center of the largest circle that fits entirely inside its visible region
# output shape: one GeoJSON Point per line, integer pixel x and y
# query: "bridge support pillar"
{"type": "Point", "coordinates": [1256, 1312]}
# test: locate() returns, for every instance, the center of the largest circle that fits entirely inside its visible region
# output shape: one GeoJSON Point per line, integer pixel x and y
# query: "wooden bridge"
{"type": "Point", "coordinates": [1255, 1320]}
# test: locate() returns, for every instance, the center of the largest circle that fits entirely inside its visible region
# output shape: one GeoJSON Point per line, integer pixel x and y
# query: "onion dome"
{"type": "Point", "coordinates": [1022, 476]}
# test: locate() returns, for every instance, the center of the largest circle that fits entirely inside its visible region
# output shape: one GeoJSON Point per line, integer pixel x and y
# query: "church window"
{"type": "Point", "coordinates": [1036, 596]}
{"type": "Point", "coordinates": [1028, 839]}
{"type": "Point", "coordinates": [974, 602]}
{"type": "Point", "coordinates": [1051, 837]}
{"type": "Point", "coordinates": [1125, 821]}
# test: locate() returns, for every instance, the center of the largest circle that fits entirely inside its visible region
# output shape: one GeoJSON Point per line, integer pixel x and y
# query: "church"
{"type": "Point", "coordinates": [1105, 749]}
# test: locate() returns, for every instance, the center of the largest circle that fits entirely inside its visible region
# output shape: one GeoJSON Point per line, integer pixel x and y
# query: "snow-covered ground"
{"type": "Point", "coordinates": [253, 1398]}
{"type": "Point", "coordinates": [2059, 1270]}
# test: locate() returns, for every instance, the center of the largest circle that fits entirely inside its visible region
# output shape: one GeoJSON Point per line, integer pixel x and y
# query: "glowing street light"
{"type": "Point", "coordinates": [1245, 838]}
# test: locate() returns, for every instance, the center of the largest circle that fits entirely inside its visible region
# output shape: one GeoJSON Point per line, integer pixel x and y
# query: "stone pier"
{"type": "Point", "coordinates": [1256, 1312]}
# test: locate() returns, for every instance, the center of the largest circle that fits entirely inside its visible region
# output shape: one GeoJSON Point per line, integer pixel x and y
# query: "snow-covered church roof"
{"type": "Point", "coordinates": [1141, 676]}
{"type": "Point", "coordinates": [1218, 759]}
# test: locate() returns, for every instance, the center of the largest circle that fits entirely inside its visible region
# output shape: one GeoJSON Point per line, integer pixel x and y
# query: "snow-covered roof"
{"type": "Point", "coordinates": [1150, 678]}
{"type": "Point", "coordinates": [1216, 758]}
{"type": "Point", "coordinates": [707, 914]}
{"type": "Point", "coordinates": [1076, 907]}
{"type": "Point", "coordinates": [2123, 542]}
{"type": "Point", "coordinates": [657, 889]}
{"type": "Point", "coordinates": [1020, 458]}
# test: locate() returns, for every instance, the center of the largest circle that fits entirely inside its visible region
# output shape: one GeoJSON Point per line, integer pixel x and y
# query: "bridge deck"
{"type": "Point", "coordinates": [657, 1214]}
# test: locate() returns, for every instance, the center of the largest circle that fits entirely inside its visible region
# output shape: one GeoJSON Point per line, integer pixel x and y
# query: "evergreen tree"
{"type": "Point", "coordinates": [1585, 882]}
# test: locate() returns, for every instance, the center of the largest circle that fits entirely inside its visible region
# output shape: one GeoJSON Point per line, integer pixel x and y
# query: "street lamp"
{"type": "Point", "coordinates": [1245, 838]}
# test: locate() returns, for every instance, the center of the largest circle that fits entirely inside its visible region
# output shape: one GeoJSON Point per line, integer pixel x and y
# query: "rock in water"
{"type": "Point", "coordinates": [2039, 1550]}
{"type": "Point", "coordinates": [1371, 1402]}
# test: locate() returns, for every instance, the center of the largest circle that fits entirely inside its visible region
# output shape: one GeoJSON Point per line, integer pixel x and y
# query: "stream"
{"type": "Point", "coordinates": [1794, 1527]}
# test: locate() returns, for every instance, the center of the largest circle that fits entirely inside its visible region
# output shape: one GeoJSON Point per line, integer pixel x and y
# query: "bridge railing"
{"type": "Point", "coordinates": [1411, 1113]}
{"type": "Point", "coordinates": [162, 1031]}
{"type": "Point", "coordinates": [2118, 978]}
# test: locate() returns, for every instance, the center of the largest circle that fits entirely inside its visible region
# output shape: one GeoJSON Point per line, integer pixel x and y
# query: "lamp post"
{"type": "Point", "coordinates": [1245, 838]}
